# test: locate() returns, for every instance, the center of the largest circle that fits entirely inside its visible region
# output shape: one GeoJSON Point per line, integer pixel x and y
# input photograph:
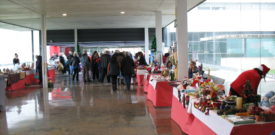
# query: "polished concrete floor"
{"type": "Point", "coordinates": [75, 108]}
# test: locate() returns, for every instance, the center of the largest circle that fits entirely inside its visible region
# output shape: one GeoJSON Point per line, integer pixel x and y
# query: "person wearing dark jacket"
{"type": "Point", "coordinates": [85, 61]}
{"type": "Point", "coordinates": [253, 76]}
{"type": "Point", "coordinates": [38, 66]}
{"type": "Point", "coordinates": [75, 65]}
{"type": "Point", "coordinates": [95, 64]}
{"type": "Point", "coordinates": [62, 61]}
{"type": "Point", "coordinates": [141, 59]}
{"type": "Point", "coordinates": [114, 70]}
{"type": "Point", "coordinates": [16, 59]}
{"type": "Point", "coordinates": [105, 59]}
{"type": "Point", "coordinates": [192, 69]}
{"type": "Point", "coordinates": [69, 63]}
{"type": "Point", "coordinates": [127, 69]}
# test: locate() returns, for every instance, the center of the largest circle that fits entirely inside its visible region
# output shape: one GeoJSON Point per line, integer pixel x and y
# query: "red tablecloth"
{"type": "Point", "coordinates": [30, 79]}
{"type": "Point", "coordinates": [161, 95]}
{"type": "Point", "coordinates": [17, 85]}
{"type": "Point", "coordinates": [140, 79]}
{"type": "Point", "coordinates": [187, 122]}
{"type": "Point", "coordinates": [194, 126]}
{"type": "Point", "coordinates": [146, 83]}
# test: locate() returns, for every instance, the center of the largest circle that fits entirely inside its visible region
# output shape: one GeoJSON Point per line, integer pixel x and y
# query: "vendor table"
{"type": "Point", "coordinates": [140, 76]}
{"type": "Point", "coordinates": [146, 82]}
{"type": "Point", "coordinates": [194, 122]}
{"type": "Point", "coordinates": [2, 92]}
{"type": "Point", "coordinates": [15, 83]}
{"type": "Point", "coordinates": [160, 93]}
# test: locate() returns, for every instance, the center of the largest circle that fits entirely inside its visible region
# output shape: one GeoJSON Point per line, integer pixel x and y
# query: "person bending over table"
{"type": "Point", "coordinates": [254, 77]}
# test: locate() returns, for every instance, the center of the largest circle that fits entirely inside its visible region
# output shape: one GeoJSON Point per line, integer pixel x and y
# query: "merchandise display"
{"type": "Point", "coordinates": [206, 101]}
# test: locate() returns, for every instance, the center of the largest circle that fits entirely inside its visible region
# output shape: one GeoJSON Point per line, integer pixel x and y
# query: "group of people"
{"type": "Point", "coordinates": [98, 67]}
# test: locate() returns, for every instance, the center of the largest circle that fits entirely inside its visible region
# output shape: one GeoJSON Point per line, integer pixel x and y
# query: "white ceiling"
{"type": "Point", "coordinates": [88, 13]}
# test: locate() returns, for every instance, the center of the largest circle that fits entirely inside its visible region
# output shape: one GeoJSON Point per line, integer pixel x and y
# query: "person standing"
{"type": "Point", "coordinates": [127, 69]}
{"type": "Point", "coordinates": [62, 61]}
{"type": "Point", "coordinates": [114, 70]}
{"type": "Point", "coordinates": [85, 61]}
{"type": "Point", "coordinates": [105, 60]}
{"type": "Point", "coordinates": [38, 66]}
{"type": "Point", "coordinates": [69, 63]}
{"type": "Point", "coordinates": [95, 63]}
{"type": "Point", "coordinates": [141, 59]}
{"type": "Point", "coordinates": [75, 65]}
{"type": "Point", "coordinates": [192, 69]}
{"type": "Point", "coordinates": [16, 59]}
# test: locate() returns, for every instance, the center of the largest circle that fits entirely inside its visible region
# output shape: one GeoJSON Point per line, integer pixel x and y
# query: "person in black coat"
{"type": "Point", "coordinates": [95, 64]}
{"type": "Point", "coordinates": [16, 59]}
{"type": "Point", "coordinates": [38, 66]}
{"type": "Point", "coordinates": [127, 69]}
{"type": "Point", "coordinates": [76, 67]}
{"type": "Point", "coordinates": [114, 70]}
{"type": "Point", "coordinates": [105, 60]}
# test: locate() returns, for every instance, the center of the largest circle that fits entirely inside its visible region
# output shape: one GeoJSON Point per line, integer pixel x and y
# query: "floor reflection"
{"type": "Point", "coordinates": [162, 121]}
{"type": "Point", "coordinates": [72, 108]}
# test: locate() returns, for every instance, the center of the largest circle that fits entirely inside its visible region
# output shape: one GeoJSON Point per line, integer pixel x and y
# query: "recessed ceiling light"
{"type": "Point", "coordinates": [64, 14]}
{"type": "Point", "coordinates": [122, 12]}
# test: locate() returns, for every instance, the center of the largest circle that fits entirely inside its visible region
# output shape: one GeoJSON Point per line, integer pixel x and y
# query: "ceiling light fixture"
{"type": "Point", "coordinates": [122, 12]}
{"type": "Point", "coordinates": [64, 14]}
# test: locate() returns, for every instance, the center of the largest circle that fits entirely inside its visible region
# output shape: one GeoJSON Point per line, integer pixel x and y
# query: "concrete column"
{"type": "Point", "coordinates": [182, 38]}
{"type": "Point", "coordinates": [159, 35]}
{"type": "Point", "coordinates": [75, 39]}
{"type": "Point", "coordinates": [33, 57]}
{"type": "Point", "coordinates": [146, 44]}
{"type": "Point", "coordinates": [44, 51]}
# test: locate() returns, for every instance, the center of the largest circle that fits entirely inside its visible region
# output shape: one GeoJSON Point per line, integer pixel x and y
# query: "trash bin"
{"type": "Point", "coordinates": [2, 93]}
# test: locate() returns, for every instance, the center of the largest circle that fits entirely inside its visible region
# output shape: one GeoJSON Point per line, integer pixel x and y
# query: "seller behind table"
{"type": "Point", "coordinates": [254, 76]}
{"type": "Point", "coordinates": [192, 69]}
{"type": "Point", "coordinates": [16, 59]}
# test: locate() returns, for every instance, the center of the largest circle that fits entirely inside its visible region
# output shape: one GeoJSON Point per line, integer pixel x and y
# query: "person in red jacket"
{"type": "Point", "coordinates": [254, 76]}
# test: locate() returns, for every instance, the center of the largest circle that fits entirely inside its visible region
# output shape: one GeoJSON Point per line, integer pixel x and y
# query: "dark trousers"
{"type": "Point", "coordinates": [95, 73]}
{"type": "Point", "coordinates": [75, 73]}
{"type": "Point", "coordinates": [103, 74]}
{"type": "Point", "coordinates": [127, 79]}
{"type": "Point", "coordinates": [86, 73]}
{"type": "Point", "coordinates": [114, 82]}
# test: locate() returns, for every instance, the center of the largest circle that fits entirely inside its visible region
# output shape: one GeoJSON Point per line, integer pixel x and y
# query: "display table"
{"type": "Point", "coordinates": [30, 78]}
{"type": "Point", "coordinates": [140, 76]}
{"type": "Point", "coordinates": [160, 93]}
{"type": "Point", "coordinates": [15, 83]}
{"type": "Point", "coordinates": [194, 122]}
{"type": "Point", "coordinates": [146, 82]}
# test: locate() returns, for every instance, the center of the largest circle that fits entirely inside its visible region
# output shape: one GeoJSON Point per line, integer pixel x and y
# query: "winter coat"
{"type": "Point", "coordinates": [127, 66]}
{"type": "Point", "coordinates": [142, 61]}
{"type": "Point", "coordinates": [254, 78]}
{"type": "Point", "coordinates": [113, 67]}
{"type": "Point", "coordinates": [105, 59]}
{"type": "Point", "coordinates": [75, 61]}
{"type": "Point", "coordinates": [85, 60]}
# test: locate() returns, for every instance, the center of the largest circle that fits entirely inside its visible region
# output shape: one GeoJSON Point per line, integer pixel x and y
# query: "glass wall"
{"type": "Point", "coordinates": [169, 34]}
{"type": "Point", "coordinates": [17, 40]}
{"type": "Point", "coordinates": [232, 36]}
